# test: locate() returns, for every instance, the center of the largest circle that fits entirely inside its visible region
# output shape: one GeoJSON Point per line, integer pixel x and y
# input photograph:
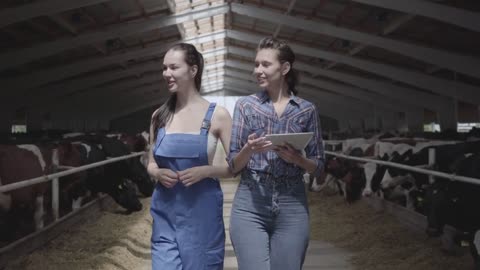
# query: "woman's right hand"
{"type": "Point", "coordinates": [166, 177]}
{"type": "Point", "coordinates": [257, 144]}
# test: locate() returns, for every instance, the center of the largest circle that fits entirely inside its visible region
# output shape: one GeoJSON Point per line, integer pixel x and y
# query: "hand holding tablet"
{"type": "Point", "coordinates": [298, 140]}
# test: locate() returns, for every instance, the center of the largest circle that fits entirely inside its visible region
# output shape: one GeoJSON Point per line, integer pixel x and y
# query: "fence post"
{"type": "Point", "coordinates": [55, 201]}
{"type": "Point", "coordinates": [431, 162]}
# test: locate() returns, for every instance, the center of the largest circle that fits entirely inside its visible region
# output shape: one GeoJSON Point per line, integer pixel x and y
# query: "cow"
{"type": "Point", "coordinates": [22, 209]}
{"type": "Point", "coordinates": [346, 175]}
{"type": "Point", "coordinates": [135, 143]}
{"type": "Point", "coordinates": [379, 177]}
{"type": "Point", "coordinates": [73, 189]}
{"type": "Point", "coordinates": [131, 168]}
{"type": "Point", "coordinates": [455, 203]}
{"type": "Point", "coordinates": [110, 179]}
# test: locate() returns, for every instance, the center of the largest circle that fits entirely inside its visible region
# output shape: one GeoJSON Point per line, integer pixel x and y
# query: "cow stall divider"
{"type": "Point", "coordinates": [408, 217]}
{"type": "Point", "coordinates": [38, 238]}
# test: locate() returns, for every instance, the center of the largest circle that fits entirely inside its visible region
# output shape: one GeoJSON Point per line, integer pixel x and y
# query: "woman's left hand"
{"type": "Point", "coordinates": [192, 175]}
{"type": "Point", "coordinates": [288, 153]}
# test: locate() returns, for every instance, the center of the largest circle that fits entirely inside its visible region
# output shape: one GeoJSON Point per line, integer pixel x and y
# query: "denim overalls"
{"type": "Point", "coordinates": [188, 231]}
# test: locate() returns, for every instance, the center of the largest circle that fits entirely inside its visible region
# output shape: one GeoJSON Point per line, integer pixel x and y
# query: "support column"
{"type": "Point", "coordinates": [369, 123]}
{"type": "Point", "coordinates": [34, 120]}
{"type": "Point", "coordinates": [356, 125]}
{"type": "Point", "coordinates": [6, 120]}
{"type": "Point", "coordinates": [389, 121]}
{"type": "Point", "coordinates": [478, 112]}
{"type": "Point", "coordinates": [343, 125]}
{"type": "Point", "coordinates": [414, 120]}
{"type": "Point", "coordinates": [448, 115]}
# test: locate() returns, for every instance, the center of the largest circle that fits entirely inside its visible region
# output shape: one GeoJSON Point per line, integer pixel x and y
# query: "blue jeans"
{"type": "Point", "coordinates": [269, 224]}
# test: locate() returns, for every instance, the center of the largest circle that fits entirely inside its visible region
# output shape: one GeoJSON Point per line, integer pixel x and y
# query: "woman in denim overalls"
{"type": "Point", "coordinates": [188, 231]}
{"type": "Point", "coordinates": [269, 224]}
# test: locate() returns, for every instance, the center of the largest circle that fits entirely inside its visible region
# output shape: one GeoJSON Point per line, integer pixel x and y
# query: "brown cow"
{"type": "Point", "coordinates": [23, 208]}
{"type": "Point", "coordinates": [72, 187]}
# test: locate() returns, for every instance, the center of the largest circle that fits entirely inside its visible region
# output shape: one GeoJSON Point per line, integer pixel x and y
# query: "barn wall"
{"type": "Point", "coordinates": [388, 121]}
{"type": "Point", "coordinates": [468, 113]}
{"type": "Point", "coordinates": [414, 120]}
{"type": "Point", "coordinates": [6, 120]}
{"type": "Point", "coordinates": [447, 116]}
{"type": "Point", "coordinates": [133, 123]}
{"type": "Point", "coordinates": [328, 124]}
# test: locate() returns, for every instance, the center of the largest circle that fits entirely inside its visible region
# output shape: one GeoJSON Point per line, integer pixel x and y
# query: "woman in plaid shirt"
{"type": "Point", "coordinates": [269, 224]}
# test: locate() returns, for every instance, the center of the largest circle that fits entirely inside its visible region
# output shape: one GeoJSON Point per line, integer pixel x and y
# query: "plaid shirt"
{"type": "Point", "coordinates": [256, 114]}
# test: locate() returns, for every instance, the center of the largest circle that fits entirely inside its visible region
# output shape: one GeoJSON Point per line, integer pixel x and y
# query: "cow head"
{"type": "Point", "coordinates": [436, 201]}
{"type": "Point", "coordinates": [354, 183]}
{"type": "Point", "coordinates": [336, 167]}
{"type": "Point", "coordinates": [134, 143]}
{"type": "Point", "coordinates": [138, 174]}
{"type": "Point", "coordinates": [130, 168]}
{"type": "Point", "coordinates": [126, 196]}
{"type": "Point", "coordinates": [373, 176]}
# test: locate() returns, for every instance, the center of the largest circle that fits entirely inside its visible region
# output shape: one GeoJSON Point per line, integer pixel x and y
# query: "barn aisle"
{"type": "Point", "coordinates": [117, 240]}
{"type": "Point", "coordinates": [342, 237]}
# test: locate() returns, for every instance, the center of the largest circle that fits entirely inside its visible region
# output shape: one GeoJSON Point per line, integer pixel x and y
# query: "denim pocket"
{"type": "Point", "coordinates": [255, 124]}
{"type": "Point", "coordinates": [298, 123]}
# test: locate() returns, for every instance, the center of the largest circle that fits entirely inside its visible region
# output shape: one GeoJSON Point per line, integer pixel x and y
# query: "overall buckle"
{"type": "Point", "coordinates": [206, 124]}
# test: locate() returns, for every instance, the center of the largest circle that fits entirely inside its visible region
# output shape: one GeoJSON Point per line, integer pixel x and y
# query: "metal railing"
{"type": "Point", "coordinates": [431, 173]}
{"type": "Point", "coordinates": [54, 177]}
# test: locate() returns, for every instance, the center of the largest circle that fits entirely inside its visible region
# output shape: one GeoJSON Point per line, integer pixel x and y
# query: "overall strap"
{"type": "Point", "coordinates": [208, 119]}
{"type": "Point", "coordinates": [160, 136]}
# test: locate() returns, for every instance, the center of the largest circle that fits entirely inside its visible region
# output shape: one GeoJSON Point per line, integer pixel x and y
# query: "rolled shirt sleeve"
{"type": "Point", "coordinates": [314, 149]}
{"type": "Point", "coordinates": [239, 133]}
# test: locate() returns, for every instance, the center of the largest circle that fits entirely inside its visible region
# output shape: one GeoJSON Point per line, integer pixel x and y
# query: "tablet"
{"type": "Point", "coordinates": [298, 140]}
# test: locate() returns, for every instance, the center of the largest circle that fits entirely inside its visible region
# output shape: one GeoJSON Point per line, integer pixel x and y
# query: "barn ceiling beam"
{"type": "Point", "coordinates": [450, 60]}
{"type": "Point", "coordinates": [422, 99]}
{"type": "Point", "coordinates": [45, 76]}
{"type": "Point", "coordinates": [89, 87]}
{"type": "Point", "coordinates": [153, 91]}
{"type": "Point", "coordinates": [318, 93]}
{"type": "Point", "coordinates": [325, 108]}
{"type": "Point", "coordinates": [51, 92]}
{"type": "Point", "coordinates": [461, 91]}
{"type": "Point", "coordinates": [351, 103]}
{"type": "Point", "coordinates": [135, 106]}
{"type": "Point", "coordinates": [22, 56]}
{"type": "Point", "coordinates": [95, 84]}
{"type": "Point", "coordinates": [343, 89]}
{"type": "Point", "coordinates": [146, 98]}
{"type": "Point", "coordinates": [228, 92]}
{"type": "Point", "coordinates": [102, 95]}
{"type": "Point", "coordinates": [39, 78]}
{"type": "Point", "coordinates": [96, 105]}
{"type": "Point", "coordinates": [41, 8]}
{"type": "Point", "coordinates": [291, 4]}
{"type": "Point", "coordinates": [392, 26]}
{"type": "Point", "coordinates": [457, 16]}
{"type": "Point", "coordinates": [433, 102]}
{"type": "Point", "coordinates": [212, 89]}
{"type": "Point", "coordinates": [110, 92]}
{"type": "Point", "coordinates": [240, 90]}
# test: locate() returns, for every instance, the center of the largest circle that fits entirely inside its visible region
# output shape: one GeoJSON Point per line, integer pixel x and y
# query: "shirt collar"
{"type": "Point", "coordinates": [263, 97]}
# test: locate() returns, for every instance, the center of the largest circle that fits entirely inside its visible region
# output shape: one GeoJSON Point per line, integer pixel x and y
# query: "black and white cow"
{"type": "Point", "coordinates": [132, 168]}
{"type": "Point", "coordinates": [455, 203]}
{"type": "Point", "coordinates": [110, 179]}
